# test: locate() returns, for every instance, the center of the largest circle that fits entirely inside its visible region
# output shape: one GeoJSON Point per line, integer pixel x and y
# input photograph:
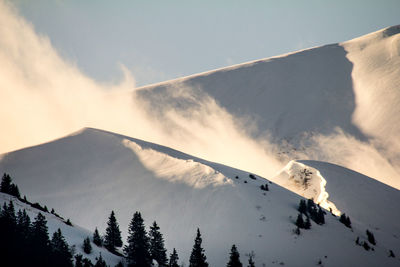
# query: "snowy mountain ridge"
{"type": "Point", "coordinates": [107, 171]}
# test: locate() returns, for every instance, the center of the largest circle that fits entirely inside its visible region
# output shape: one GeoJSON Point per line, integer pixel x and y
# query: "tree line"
{"type": "Point", "coordinates": [27, 243]}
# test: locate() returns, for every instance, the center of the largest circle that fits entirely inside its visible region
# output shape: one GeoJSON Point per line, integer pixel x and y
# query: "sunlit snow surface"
{"type": "Point", "coordinates": [337, 103]}
{"type": "Point", "coordinates": [86, 175]}
{"type": "Point", "coordinates": [307, 182]}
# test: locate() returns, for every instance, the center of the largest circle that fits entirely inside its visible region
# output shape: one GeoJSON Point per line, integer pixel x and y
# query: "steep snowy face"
{"type": "Point", "coordinates": [376, 78]}
{"type": "Point", "coordinates": [335, 103]}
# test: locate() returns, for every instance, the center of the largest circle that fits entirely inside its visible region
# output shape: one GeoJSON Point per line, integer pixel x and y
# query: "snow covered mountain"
{"type": "Point", "coordinates": [337, 103]}
{"type": "Point", "coordinates": [86, 175]}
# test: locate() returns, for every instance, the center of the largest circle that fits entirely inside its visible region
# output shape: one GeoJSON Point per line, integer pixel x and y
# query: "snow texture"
{"type": "Point", "coordinates": [86, 175]}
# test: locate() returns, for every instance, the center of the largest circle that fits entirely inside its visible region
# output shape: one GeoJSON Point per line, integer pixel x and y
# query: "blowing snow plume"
{"type": "Point", "coordinates": [239, 116]}
{"type": "Point", "coordinates": [43, 97]}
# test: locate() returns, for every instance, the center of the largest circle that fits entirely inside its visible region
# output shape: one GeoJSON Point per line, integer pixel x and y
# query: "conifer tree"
{"type": "Point", "coordinates": [87, 247]}
{"type": "Point", "coordinates": [8, 214]}
{"type": "Point", "coordinates": [197, 257]}
{"type": "Point", "coordinates": [302, 206]}
{"type": "Point", "coordinates": [251, 260]}
{"type": "Point", "coordinates": [137, 250]}
{"type": "Point", "coordinates": [40, 242]}
{"type": "Point", "coordinates": [320, 216]}
{"type": "Point", "coordinates": [100, 262]}
{"type": "Point", "coordinates": [157, 248]}
{"type": "Point", "coordinates": [307, 224]}
{"type": "Point", "coordinates": [345, 220]}
{"type": "Point", "coordinates": [173, 259]}
{"type": "Point", "coordinates": [78, 260]}
{"type": "Point", "coordinates": [234, 259]}
{"type": "Point", "coordinates": [300, 222]}
{"type": "Point", "coordinates": [5, 185]}
{"type": "Point", "coordinates": [60, 251]}
{"type": "Point", "coordinates": [371, 237]}
{"type": "Point", "coordinates": [112, 239]}
{"type": "Point", "coordinates": [97, 239]}
{"type": "Point", "coordinates": [23, 224]}
{"type": "Point", "coordinates": [14, 191]}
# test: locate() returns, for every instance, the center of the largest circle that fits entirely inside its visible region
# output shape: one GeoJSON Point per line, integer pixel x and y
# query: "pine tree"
{"type": "Point", "coordinates": [100, 262]}
{"type": "Point", "coordinates": [251, 261]}
{"type": "Point", "coordinates": [310, 206]}
{"type": "Point", "coordinates": [307, 224]}
{"type": "Point", "coordinates": [302, 206]}
{"type": "Point", "coordinates": [40, 230]}
{"type": "Point", "coordinates": [40, 242]}
{"type": "Point", "coordinates": [137, 250]}
{"type": "Point", "coordinates": [78, 260]}
{"type": "Point", "coordinates": [8, 214]}
{"type": "Point", "coordinates": [87, 247]}
{"type": "Point", "coordinates": [321, 216]}
{"type": "Point", "coordinates": [173, 259]}
{"type": "Point", "coordinates": [300, 222]}
{"type": "Point", "coordinates": [5, 185]}
{"type": "Point", "coordinates": [60, 250]}
{"type": "Point", "coordinates": [157, 248]}
{"type": "Point", "coordinates": [371, 238]}
{"type": "Point", "coordinates": [234, 259]}
{"type": "Point", "coordinates": [197, 257]}
{"type": "Point", "coordinates": [97, 239]}
{"type": "Point", "coordinates": [23, 224]}
{"type": "Point", "coordinates": [112, 239]}
{"type": "Point", "coordinates": [345, 220]}
{"type": "Point", "coordinates": [14, 191]}
{"type": "Point", "coordinates": [8, 236]}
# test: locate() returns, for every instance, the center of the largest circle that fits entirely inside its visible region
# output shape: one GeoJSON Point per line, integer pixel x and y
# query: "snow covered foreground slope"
{"type": "Point", "coordinates": [74, 235]}
{"type": "Point", "coordinates": [86, 175]}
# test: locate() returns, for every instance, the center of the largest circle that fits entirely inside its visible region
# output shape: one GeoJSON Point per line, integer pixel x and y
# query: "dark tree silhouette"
{"type": "Point", "coordinates": [87, 247]}
{"type": "Point", "coordinates": [345, 220]}
{"type": "Point", "coordinates": [300, 222]}
{"type": "Point", "coordinates": [100, 262]}
{"type": "Point", "coordinates": [61, 255]}
{"type": "Point", "coordinates": [97, 239]}
{"type": "Point", "coordinates": [307, 224]}
{"type": "Point", "coordinates": [234, 258]}
{"type": "Point", "coordinates": [157, 248]}
{"type": "Point", "coordinates": [5, 186]}
{"type": "Point", "coordinates": [371, 237]}
{"type": "Point", "coordinates": [137, 250]}
{"type": "Point", "coordinates": [173, 259]}
{"type": "Point", "coordinates": [302, 206]}
{"type": "Point", "coordinates": [112, 238]}
{"type": "Point", "coordinates": [251, 260]}
{"type": "Point", "coordinates": [197, 257]}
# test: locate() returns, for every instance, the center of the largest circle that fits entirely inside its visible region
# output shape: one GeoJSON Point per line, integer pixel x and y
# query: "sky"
{"type": "Point", "coordinates": [163, 40]}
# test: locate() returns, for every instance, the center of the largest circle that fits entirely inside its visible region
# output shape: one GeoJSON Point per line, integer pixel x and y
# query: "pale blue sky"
{"type": "Point", "coordinates": [161, 40]}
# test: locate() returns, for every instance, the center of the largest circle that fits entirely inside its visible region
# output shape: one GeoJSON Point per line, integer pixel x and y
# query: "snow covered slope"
{"type": "Point", "coordinates": [337, 103]}
{"type": "Point", "coordinates": [74, 235]}
{"type": "Point", "coordinates": [368, 202]}
{"type": "Point", "coordinates": [86, 175]}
